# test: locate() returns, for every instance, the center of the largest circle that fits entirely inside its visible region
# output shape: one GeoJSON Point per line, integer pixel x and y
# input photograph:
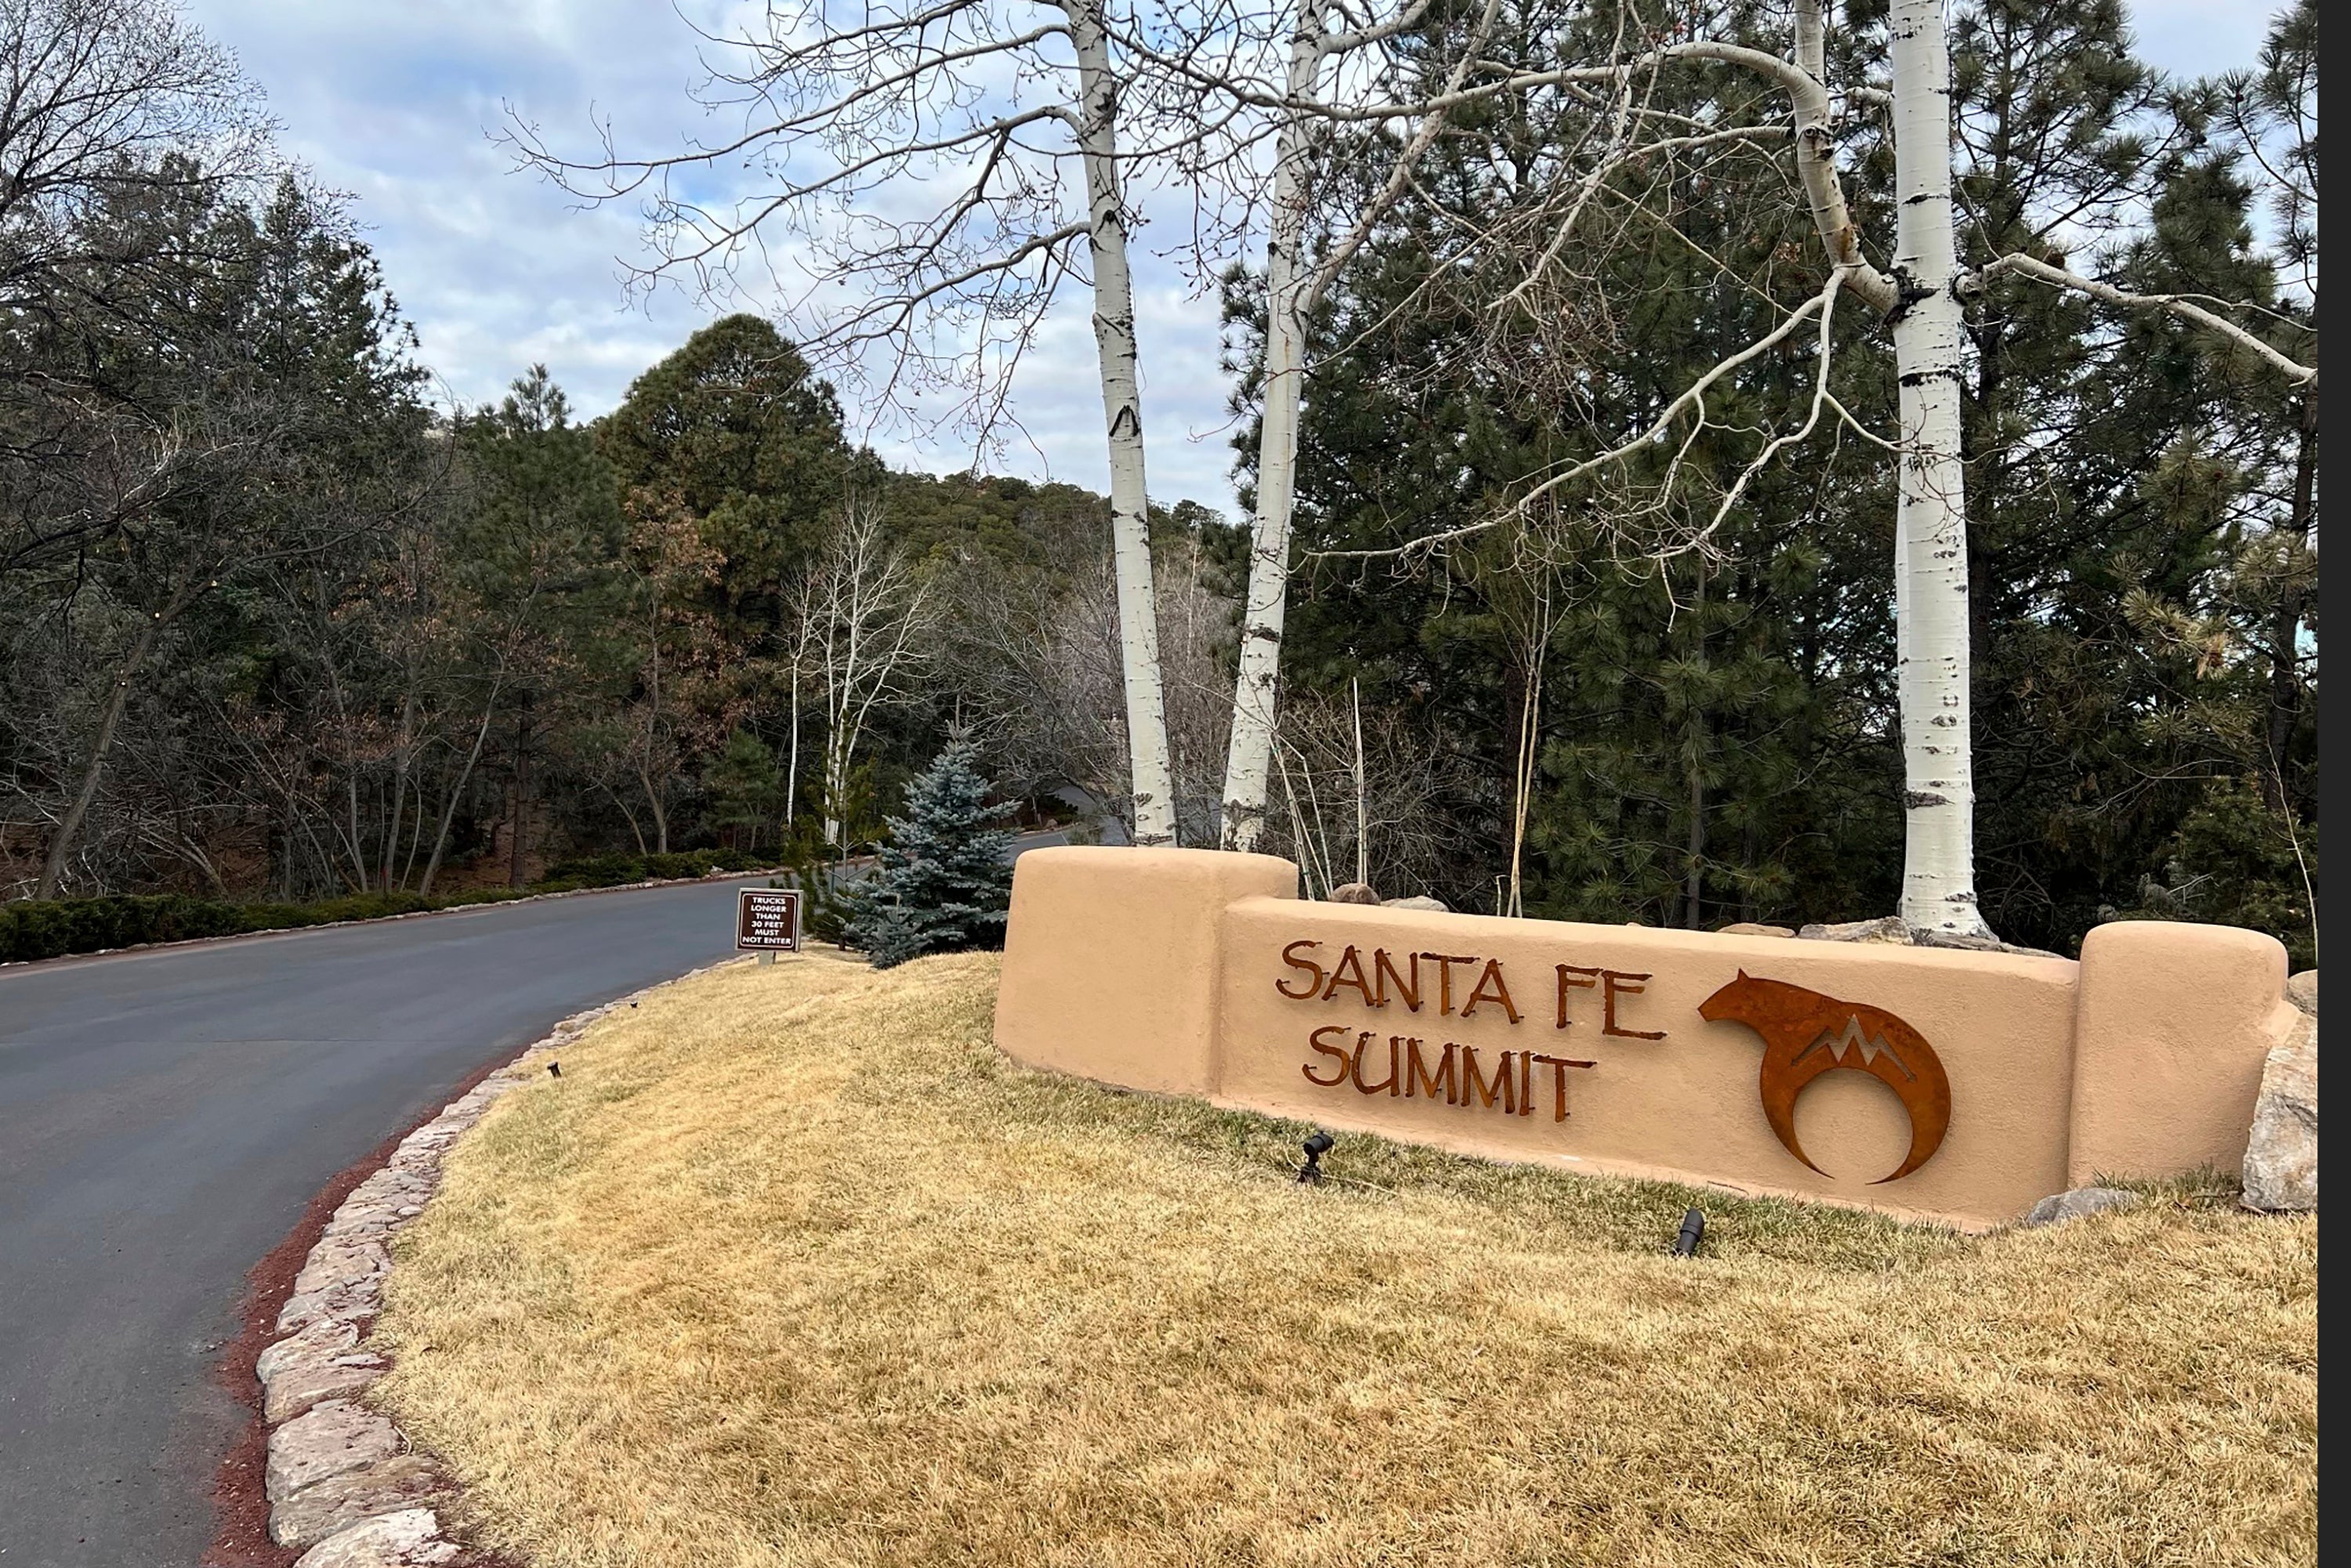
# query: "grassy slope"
{"type": "Point", "coordinates": [790, 1267]}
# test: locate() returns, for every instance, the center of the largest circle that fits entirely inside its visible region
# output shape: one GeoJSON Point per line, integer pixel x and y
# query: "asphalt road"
{"type": "Point", "coordinates": [166, 1116]}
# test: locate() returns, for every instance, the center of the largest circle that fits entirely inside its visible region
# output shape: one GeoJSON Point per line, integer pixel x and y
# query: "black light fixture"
{"type": "Point", "coordinates": [1316, 1147]}
{"type": "Point", "coordinates": [1693, 1231]}
{"type": "Point", "coordinates": [555, 1070]}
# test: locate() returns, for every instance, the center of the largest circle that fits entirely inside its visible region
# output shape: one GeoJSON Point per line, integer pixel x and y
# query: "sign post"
{"type": "Point", "coordinates": [768, 921]}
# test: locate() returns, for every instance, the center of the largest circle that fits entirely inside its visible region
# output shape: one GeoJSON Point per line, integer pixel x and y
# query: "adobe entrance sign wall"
{"type": "Point", "coordinates": [1960, 1085]}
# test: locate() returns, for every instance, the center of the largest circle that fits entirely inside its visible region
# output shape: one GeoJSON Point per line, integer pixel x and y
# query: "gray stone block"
{"type": "Point", "coordinates": [2082, 1201]}
{"type": "Point", "coordinates": [391, 1486]}
{"type": "Point", "coordinates": [2281, 1153]}
{"type": "Point", "coordinates": [409, 1539]}
{"type": "Point", "coordinates": [329, 1440]}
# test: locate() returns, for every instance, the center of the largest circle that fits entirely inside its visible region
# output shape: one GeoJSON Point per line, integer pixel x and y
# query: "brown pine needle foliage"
{"type": "Point", "coordinates": [788, 1268]}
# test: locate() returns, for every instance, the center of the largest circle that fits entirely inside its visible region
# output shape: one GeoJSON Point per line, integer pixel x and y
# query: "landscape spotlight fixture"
{"type": "Point", "coordinates": [555, 1070]}
{"type": "Point", "coordinates": [1316, 1147]}
{"type": "Point", "coordinates": [1693, 1228]}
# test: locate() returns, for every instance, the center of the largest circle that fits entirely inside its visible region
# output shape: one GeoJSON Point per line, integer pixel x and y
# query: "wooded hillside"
{"type": "Point", "coordinates": [274, 626]}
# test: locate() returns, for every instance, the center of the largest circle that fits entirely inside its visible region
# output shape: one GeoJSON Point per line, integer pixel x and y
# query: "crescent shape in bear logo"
{"type": "Point", "coordinates": [1806, 1034]}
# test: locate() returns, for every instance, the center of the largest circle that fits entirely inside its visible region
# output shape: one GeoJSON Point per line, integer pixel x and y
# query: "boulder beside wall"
{"type": "Point", "coordinates": [2282, 1154]}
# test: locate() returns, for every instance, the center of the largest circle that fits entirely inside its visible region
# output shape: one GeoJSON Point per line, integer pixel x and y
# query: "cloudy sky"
{"type": "Point", "coordinates": [393, 101]}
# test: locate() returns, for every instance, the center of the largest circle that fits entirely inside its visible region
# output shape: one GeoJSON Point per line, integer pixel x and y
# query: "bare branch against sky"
{"type": "Point", "coordinates": [396, 103]}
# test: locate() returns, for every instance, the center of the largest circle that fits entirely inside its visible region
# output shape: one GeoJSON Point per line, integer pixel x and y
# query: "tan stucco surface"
{"type": "Point", "coordinates": [1110, 963]}
{"type": "Point", "coordinates": [2163, 1079]}
{"type": "Point", "coordinates": [1686, 1104]}
{"type": "Point", "coordinates": [1188, 971]}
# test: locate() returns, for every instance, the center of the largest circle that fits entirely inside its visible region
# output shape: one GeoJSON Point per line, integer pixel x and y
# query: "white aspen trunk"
{"type": "Point", "coordinates": [1939, 890]}
{"type": "Point", "coordinates": [1362, 800]}
{"type": "Point", "coordinates": [836, 792]}
{"type": "Point", "coordinates": [792, 769]}
{"type": "Point", "coordinates": [839, 671]}
{"type": "Point", "coordinates": [1138, 621]}
{"type": "Point", "coordinates": [1249, 760]}
{"type": "Point", "coordinates": [1816, 153]}
{"type": "Point", "coordinates": [1523, 781]}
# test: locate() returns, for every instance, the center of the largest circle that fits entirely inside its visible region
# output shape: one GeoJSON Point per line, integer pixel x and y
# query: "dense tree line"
{"type": "Point", "coordinates": [274, 627]}
{"type": "Point", "coordinates": [1698, 736]}
{"type": "Point", "coordinates": [704, 619]}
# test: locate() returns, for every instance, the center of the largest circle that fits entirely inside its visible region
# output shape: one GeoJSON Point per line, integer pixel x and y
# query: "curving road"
{"type": "Point", "coordinates": [165, 1116]}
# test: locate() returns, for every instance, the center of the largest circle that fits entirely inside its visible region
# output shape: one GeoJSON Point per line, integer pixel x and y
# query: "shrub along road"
{"type": "Point", "coordinates": [166, 1116]}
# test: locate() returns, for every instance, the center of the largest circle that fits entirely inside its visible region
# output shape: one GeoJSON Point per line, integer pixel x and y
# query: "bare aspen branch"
{"type": "Point", "coordinates": [1691, 398]}
{"type": "Point", "coordinates": [2179, 304]}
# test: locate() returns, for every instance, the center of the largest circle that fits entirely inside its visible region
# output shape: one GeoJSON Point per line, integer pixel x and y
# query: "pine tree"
{"type": "Point", "coordinates": [944, 881]}
{"type": "Point", "coordinates": [746, 788]}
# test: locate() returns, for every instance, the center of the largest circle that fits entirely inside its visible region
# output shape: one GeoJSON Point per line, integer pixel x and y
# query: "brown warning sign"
{"type": "Point", "coordinates": [768, 920]}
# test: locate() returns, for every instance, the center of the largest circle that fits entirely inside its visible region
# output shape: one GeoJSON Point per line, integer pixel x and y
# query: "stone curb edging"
{"type": "Point", "coordinates": [405, 914]}
{"type": "Point", "coordinates": [343, 1484]}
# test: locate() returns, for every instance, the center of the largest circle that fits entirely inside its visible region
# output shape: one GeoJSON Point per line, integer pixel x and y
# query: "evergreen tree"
{"type": "Point", "coordinates": [533, 574]}
{"type": "Point", "coordinates": [1716, 733]}
{"type": "Point", "coordinates": [734, 433]}
{"type": "Point", "coordinates": [745, 788]}
{"type": "Point", "coordinates": [944, 881]}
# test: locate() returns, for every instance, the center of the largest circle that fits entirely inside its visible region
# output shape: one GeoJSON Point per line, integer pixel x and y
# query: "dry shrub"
{"type": "Point", "coordinates": [790, 1267]}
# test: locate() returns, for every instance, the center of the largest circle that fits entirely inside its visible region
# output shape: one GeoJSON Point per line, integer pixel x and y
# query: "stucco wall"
{"type": "Point", "coordinates": [1685, 1104]}
{"type": "Point", "coordinates": [1193, 972]}
{"type": "Point", "coordinates": [2166, 1068]}
{"type": "Point", "coordinates": [1111, 968]}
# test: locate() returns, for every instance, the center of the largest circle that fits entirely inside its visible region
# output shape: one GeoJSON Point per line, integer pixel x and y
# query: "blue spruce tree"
{"type": "Point", "coordinates": [944, 878]}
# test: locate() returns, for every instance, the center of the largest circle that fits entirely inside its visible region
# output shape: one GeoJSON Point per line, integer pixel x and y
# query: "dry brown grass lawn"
{"type": "Point", "coordinates": [788, 1268]}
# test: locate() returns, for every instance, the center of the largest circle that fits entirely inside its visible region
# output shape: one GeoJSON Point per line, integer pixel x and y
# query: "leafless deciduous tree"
{"type": "Point", "coordinates": [108, 108]}
{"type": "Point", "coordinates": [865, 621]}
{"type": "Point", "coordinates": [1255, 72]}
{"type": "Point", "coordinates": [1394, 830]}
{"type": "Point", "coordinates": [100, 100]}
{"type": "Point", "coordinates": [935, 171]}
{"type": "Point", "coordinates": [1038, 655]}
{"type": "Point", "coordinates": [123, 133]}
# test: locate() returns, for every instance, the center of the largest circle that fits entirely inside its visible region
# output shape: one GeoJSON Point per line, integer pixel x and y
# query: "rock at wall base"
{"type": "Point", "coordinates": [1355, 892]}
{"type": "Point", "coordinates": [1892, 929]}
{"type": "Point", "coordinates": [409, 1539]}
{"type": "Point", "coordinates": [1420, 901]}
{"type": "Point", "coordinates": [1751, 929]}
{"type": "Point", "coordinates": [2282, 1154]}
{"type": "Point", "coordinates": [333, 1438]}
{"type": "Point", "coordinates": [403, 1482]}
{"type": "Point", "coordinates": [1895, 930]}
{"type": "Point", "coordinates": [2080, 1202]}
{"type": "Point", "coordinates": [2302, 991]}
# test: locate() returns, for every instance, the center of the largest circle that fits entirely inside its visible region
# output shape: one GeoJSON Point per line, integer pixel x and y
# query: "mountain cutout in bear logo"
{"type": "Point", "coordinates": [1806, 1034]}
